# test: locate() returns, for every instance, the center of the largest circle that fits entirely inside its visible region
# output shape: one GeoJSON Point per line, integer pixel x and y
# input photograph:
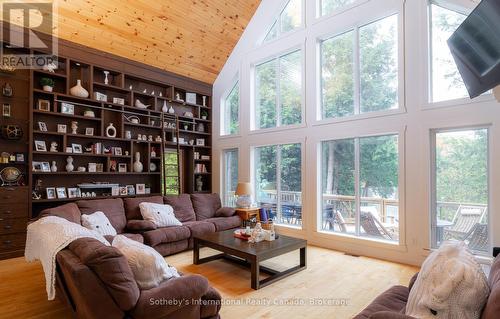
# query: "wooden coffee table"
{"type": "Point", "coordinates": [251, 255]}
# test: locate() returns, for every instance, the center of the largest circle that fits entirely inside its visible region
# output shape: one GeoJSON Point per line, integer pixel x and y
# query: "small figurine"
{"type": "Point", "coordinates": [7, 90]}
{"type": "Point", "coordinates": [140, 105]}
{"type": "Point", "coordinates": [150, 138]}
{"type": "Point", "coordinates": [74, 127]}
{"type": "Point", "coordinates": [53, 147]}
{"type": "Point", "coordinates": [257, 234]}
{"type": "Point", "coordinates": [53, 168]}
{"type": "Point", "coordinates": [37, 191]}
{"type": "Point", "coordinates": [158, 138]}
{"type": "Point", "coordinates": [50, 67]}
{"type": "Point", "coordinates": [199, 184]}
{"type": "Point", "coordinates": [153, 151]}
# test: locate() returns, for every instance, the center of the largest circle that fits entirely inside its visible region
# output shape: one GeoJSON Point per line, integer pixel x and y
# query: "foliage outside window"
{"type": "Point", "coordinates": [230, 114]}
{"type": "Point", "coordinates": [230, 167]}
{"type": "Point", "coordinates": [330, 6]}
{"type": "Point", "coordinates": [171, 173]}
{"type": "Point", "coordinates": [289, 19]}
{"type": "Point", "coordinates": [278, 90]}
{"type": "Point", "coordinates": [461, 188]}
{"type": "Point", "coordinates": [359, 181]}
{"type": "Point", "coordinates": [349, 87]}
{"type": "Point", "coordinates": [278, 181]}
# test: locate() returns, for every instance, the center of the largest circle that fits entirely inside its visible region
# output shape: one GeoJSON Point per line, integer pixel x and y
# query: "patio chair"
{"type": "Point", "coordinates": [372, 226]}
{"type": "Point", "coordinates": [477, 238]}
{"type": "Point", "coordinates": [465, 218]}
{"type": "Point", "coordinates": [332, 218]}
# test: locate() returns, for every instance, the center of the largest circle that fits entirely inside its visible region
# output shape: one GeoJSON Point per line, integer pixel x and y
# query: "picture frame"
{"type": "Point", "coordinates": [190, 98]}
{"type": "Point", "coordinates": [122, 167]}
{"type": "Point", "coordinates": [40, 146]}
{"type": "Point", "coordinates": [115, 191]}
{"type": "Point", "coordinates": [123, 191]}
{"type": "Point", "coordinates": [89, 131]}
{"type": "Point", "coordinates": [77, 148]}
{"type": "Point", "coordinates": [118, 100]}
{"type": "Point", "coordinates": [61, 192]}
{"type": "Point", "coordinates": [200, 142]}
{"type": "Point", "coordinates": [69, 150]}
{"type": "Point", "coordinates": [113, 166]}
{"type": "Point", "coordinates": [51, 192]}
{"type": "Point", "coordinates": [36, 166]}
{"type": "Point", "coordinates": [117, 151]}
{"type": "Point", "coordinates": [45, 167]}
{"type": "Point", "coordinates": [130, 190]}
{"type": "Point", "coordinates": [92, 168]}
{"type": "Point", "coordinates": [62, 128]}
{"type": "Point", "coordinates": [20, 157]}
{"type": "Point", "coordinates": [44, 105]}
{"type": "Point", "coordinates": [6, 110]}
{"type": "Point", "coordinates": [74, 192]}
{"type": "Point", "coordinates": [67, 108]}
{"type": "Point", "coordinates": [42, 126]}
{"type": "Point", "coordinates": [99, 167]}
{"type": "Point", "coordinates": [140, 189]}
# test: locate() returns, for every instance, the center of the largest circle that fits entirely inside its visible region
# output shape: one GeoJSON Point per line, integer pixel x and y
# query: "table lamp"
{"type": "Point", "coordinates": [244, 193]}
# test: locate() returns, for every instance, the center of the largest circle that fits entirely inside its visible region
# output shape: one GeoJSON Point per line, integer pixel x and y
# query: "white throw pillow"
{"type": "Point", "coordinates": [160, 215]}
{"type": "Point", "coordinates": [99, 223]}
{"type": "Point", "coordinates": [451, 284]}
{"type": "Point", "coordinates": [148, 266]}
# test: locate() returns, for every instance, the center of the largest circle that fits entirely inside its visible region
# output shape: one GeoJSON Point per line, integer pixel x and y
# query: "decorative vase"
{"type": "Point", "coordinates": [138, 167]}
{"type": "Point", "coordinates": [69, 165]}
{"type": "Point", "coordinates": [128, 135]}
{"type": "Point", "coordinates": [203, 117]}
{"type": "Point", "coordinates": [164, 109]}
{"type": "Point", "coordinates": [199, 184]}
{"type": "Point", "coordinates": [106, 73]}
{"type": "Point", "coordinates": [78, 90]}
{"type": "Point", "coordinates": [74, 127]}
{"type": "Point", "coordinates": [110, 130]}
{"type": "Point", "coordinates": [53, 168]}
{"type": "Point", "coordinates": [204, 100]}
{"type": "Point", "coordinates": [152, 167]}
{"type": "Point", "coordinates": [47, 88]}
{"type": "Point", "coordinates": [171, 110]}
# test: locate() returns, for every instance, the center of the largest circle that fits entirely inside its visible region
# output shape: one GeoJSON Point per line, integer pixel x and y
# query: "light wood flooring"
{"type": "Point", "coordinates": [330, 277]}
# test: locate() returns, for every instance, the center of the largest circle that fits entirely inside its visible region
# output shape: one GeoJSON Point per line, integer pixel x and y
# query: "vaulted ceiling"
{"type": "Point", "coordinates": [193, 38]}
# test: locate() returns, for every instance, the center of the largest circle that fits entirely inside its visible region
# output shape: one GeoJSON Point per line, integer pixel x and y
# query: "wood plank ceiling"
{"type": "Point", "coordinates": [193, 38]}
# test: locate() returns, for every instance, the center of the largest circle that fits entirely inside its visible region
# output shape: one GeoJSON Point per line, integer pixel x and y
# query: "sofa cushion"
{"type": "Point", "coordinates": [492, 308]}
{"type": "Point", "coordinates": [225, 212]}
{"type": "Point", "coordinates": [111, 267]}
{"type": "Point", "coordinates": [140, 225]}
{"type": "Point", "coordinates": [112, 208]}
{"type": "Point", "coordinates": [131, 205]}
{"type": "Point", "coordinates": [68, 211]}
{"type": "Point", "coordinates": [183, 208]}
{"type": "Point", "coordinates": [166, 235]}
{"type": "Point", "coordinates": [393, 300]}
{"type": "Point", "coordinates": [99, 223]}
{"type": "Point", "coordinates": [205, 205]}
{"type": "Point", "coordinates": [225, 223]}
{"type": "Point", "coordinates": [200, 228]}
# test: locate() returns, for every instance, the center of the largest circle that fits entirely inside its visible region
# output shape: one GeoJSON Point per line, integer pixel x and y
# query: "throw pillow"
{"type": "Point", "coordinates": [225, 212]}
{"type": "Point", "coordinates": [148, 266]}
{"type": "Point", "coordinates": [451, 284]}
{"type": "Point", "coordinates": [161, 215]}
{"type": "Point", "coordinates": [99, 223]}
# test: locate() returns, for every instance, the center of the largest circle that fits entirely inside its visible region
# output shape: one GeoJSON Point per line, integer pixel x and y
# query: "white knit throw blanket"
{"type": "Point", "coordinates": [451, 284]}
{"type": "Point", "coordinates": [46, 237]}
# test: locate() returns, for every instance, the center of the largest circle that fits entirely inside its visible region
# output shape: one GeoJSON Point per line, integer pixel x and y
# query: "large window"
{"type": "Point", "coordinates": [446, 81]}
{"type": "Point", "coordinates": [288, 20]}
{"type": "Point", "coordinates": [278, 90]}
{"type": "Point", "coordinates": [329, 6]}
{"type": "Point", "coordinates": [360, 78]}
{"type": "Point", "coordinates": [230, 175]}
{"type": "Point", "coordinates": [460, 192]}
{"type": "Point", "coordinates": [278, 182]}
{"type": "Point", "coordinates": [359, 181]}
{"type": "Point", "coordinates": [171, 172]}
{"type": "Point", "coordinates": [230, 113]}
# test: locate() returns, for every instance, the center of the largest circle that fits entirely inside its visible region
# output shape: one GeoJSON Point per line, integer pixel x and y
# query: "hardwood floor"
{"type": "Point", "coordinates": [330, 277]}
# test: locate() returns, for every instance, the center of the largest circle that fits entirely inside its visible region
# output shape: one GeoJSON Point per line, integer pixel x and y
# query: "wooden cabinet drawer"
{"type": "Point", "coordinates": [12, 242]}
{"type": "Point", "coordinates": [15, 225]}
{"type": "Point", "coordinates": [19, 210]}
{"type": "Point", "coordinates": [13, 194]}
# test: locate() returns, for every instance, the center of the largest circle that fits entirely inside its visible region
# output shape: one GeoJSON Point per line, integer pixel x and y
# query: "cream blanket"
{"type": "Point", "coordinates": [46, 237]}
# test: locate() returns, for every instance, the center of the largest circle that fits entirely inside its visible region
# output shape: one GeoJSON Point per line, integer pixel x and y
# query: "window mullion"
{"type": "Point", "coordinates": [278, 92]}
{"type": "Point", "coordinates": [279, 213]}
{"type": "Point", "coordinates": [357, 72]}
{"type": "Point", "coordinates": [356, 184]}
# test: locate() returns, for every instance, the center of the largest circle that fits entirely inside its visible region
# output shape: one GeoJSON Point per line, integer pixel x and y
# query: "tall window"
{"type": "Point", "coordinates": [445, 78]}
{"type": "Point", "coordinates": [288, 20]}
{"type": "Point", "coordinates": [359, 179]}
{"type": "Point", "coordinates": [278, 90]}
{"type": "Point", "coordinates": [329, 6]}
{"type": "Point", "coordinates": [279, 182]}
{"type": "Point", "coordinates": [460, 190]}
{"type": "Point", "coordinates": [230, 168]}
{"type": "Point", "coordinates": [230, 113]}
{"type": "Point", "coordinates": [171, 172]}
{"type": "Point", "coordinates": [360, 79]}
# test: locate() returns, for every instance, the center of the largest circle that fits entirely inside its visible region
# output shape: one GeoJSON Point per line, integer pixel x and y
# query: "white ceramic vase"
{"type": "Point", "coordinates": [78, 90]}
{"type": "Point", "coordinates": [69, 166]}
{"type": "Point", "coordinates": [53, 168]}
{"type": "Point", "coordinates": [138, 167]}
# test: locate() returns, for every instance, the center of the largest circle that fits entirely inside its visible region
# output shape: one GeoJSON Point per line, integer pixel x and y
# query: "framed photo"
{"type": "Point", "coordinates": [36, 166]}
{"type": "Point", "coordinates": [61, 192]}
{"type": "Point", "coordinates": [77, 148]}
{"type": "Point", "coordinates": [118, 100]}
{"type": "Point", "coordinates": [51, 192]}
{"type": "Point", "coordinates": [113, 165]}
{"type": "Point", "coordinates": [99, 167]}
{"type": "Point", "coordinates": [42, 126]}
{"type": "Point", "coordinates": [6, 110]}
{"type": "Point", "coordinates": [130, 190]}
{"type": "Point", "coordinates": [73, 192]}
{"type": "Point", "coordinates": [67, 108]}
{"type": "Point", "coordinates": [92, 167]}
{"type": "Point", "coordinates": [40, 146]}
{"type": "Point", "coordinates": [140, 189]}
{"type": "Point", "coordinates": [69, 149]}
{"type": "Point", "coordinates": [44, 105]}
{"type": "Point", "coordinates": [115, 191]}
{"type": "Point", "coordinates": [45, 167]}
{"type": "Point", "coordinates": [122, 167]}
{"type": "Point", "coordinates": [200, 142]}
{"type": "Point", "coordinates": [123, 191]}
{"type": "Point", "coordinates": [62, 128]}
{"type": "Point", "coordinates": [20, 157]}
{"type": "Point", "coordinates": [89, 131]}
{"type": "Point", "coordinates": [191, 98]}
{"type": "Point", "coordinates": [117, 151]}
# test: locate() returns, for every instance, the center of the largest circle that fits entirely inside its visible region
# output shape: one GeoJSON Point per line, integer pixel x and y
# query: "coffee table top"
{"type": "Point", "coordinates": [226, 239]}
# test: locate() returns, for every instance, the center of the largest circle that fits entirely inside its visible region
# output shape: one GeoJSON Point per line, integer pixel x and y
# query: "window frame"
{"type": "Point", "coordinates": [319, 12]}
{"type": "Point", "coordinates": [235, 83]}
{"type": "Point", "coordinates": [277, 21]}
{"type": "Point", "coordinates": [433, 189]}
{"type": "Point", "coordinates": [224, 167]}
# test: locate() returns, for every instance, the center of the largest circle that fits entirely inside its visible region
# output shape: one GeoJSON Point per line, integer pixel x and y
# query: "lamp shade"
{"type": "Point", "coordinates": [243, 189]}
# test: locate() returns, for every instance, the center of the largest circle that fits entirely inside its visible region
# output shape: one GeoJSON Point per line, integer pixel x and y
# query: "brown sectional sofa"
{"type": "Point", "coordinates": [96, 279]}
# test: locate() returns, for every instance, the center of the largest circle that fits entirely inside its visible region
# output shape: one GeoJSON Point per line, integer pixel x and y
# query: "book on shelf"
{"type": "Point", "coordinates": [200, 168]}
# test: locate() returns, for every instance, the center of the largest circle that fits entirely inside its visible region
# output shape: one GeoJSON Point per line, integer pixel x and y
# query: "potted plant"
{"type": "Point", "coordinates": [47, 84]}
{"type": "Point", "coordinates": [204, 115]}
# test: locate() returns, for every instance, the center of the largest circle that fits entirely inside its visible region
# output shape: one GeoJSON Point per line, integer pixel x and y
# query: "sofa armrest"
{"type": "Point", "coordinates": [390, 315]}
{"type": "Point", "coordinates": [170, 296]}
{"type": "Point", "coordinates": [137, 225]}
